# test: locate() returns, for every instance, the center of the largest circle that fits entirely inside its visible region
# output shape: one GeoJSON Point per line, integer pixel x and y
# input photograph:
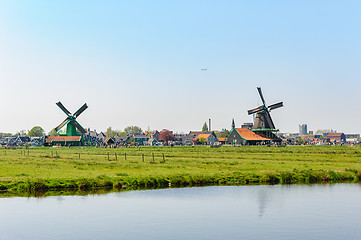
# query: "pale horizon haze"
{"type": "Point", "coordinates": [140, 63]}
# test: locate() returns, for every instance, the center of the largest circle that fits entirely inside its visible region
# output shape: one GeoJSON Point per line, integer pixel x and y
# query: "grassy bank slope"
{"type": "Point", "coordinates": [86, 168]}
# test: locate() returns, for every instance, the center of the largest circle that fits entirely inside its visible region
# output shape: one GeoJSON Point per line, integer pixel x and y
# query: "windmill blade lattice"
{"type": "Point", "coordinates": [261, 95]}
{"type": "Point", "coordinates": [275, 106]}
{"type": "Point", "coordinates": [61, 125]}
{"type": "Point", "coordinates": [256, 110]}
{"type": "Point", "coordinates": [78, 126]}
{"type": "Point", "coordinates": [82, 109]}
{"type": "Point", "coordinates": [61, 106]}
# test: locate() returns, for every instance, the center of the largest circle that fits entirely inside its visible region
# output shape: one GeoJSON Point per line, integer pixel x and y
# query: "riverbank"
{"type": "Point", "coordinates": [58, 169]}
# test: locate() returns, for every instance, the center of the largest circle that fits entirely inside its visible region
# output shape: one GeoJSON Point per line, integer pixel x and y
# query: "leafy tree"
{"type": "Point", "coordinates": [201, 140]}
{"type": "Point", "coordinates": [36, 132]}
{"type": "Point", "coordinates": [53, 133]}
{"type": "Point", "coordinates": [6, 134]}
{"type": "Point", "coordinates": [224, 133]}
{"type": "Point", "coordinates": [110, 132]}
{"type": "Point", "coordinates": [322, 131]}
{"type": "Point", "coordinates": [21, 133]}
{"type": "Point", "coordinates": [133, 130]}
{"type": "Point", "coordinates": [166, 135]}
{"type": "Point", "coordinates": [205, 127]}
{"type": "Point", "coordinates": [113, 133]}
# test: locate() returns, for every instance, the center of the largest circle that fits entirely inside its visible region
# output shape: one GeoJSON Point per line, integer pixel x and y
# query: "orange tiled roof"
{"type": "Point", "coordinates": [203, 135]}
{"type": "Point", "coordinates": [334, 135]}
{"type": "Point", "coordinates": [50, 139]}
{"type": "Point", "coordinates": [222, 139]}
{"type": "Point", "coordinates": [250, 136]}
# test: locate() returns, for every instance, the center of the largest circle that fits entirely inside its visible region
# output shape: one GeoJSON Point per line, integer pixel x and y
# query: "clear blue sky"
{"type": "Point", "coordinates": [139, 63]}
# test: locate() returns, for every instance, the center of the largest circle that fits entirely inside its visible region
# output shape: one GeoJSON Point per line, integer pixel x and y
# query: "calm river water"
{"type": "Point", "coordinates": [234, 212]}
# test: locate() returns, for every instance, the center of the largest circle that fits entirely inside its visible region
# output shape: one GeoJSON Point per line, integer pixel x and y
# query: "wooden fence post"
{"type": "Point", "coordinates": [143, 157]}
{"type": "Point", "coordinates": [153, 157]}
{"type": "Point", "coordinates": [116, 156]}
{"type": "Point", "coordinates": [51, 153]}
{"type": "Point", "coordinates": [79, 155]}
{"type": "Point", "coordinates": [108, 155]}
{"type": "Point", "coordinates": [125, 156]}
{"type": "Point", "coordinates": [163, 158]}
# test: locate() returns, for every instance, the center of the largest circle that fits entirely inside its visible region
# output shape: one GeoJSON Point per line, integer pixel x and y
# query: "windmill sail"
{"type": "Point", "coordinates": [269, 122]}
{"type": "Point", "coordinates": [261, 95]}
{"type": "Point", "coordinates": [71, 124]}
{"type": "Point", "coordinates": [61, 106]}
{"type": "Point", "coordinates": [78, 126]}
{"type": "Point", "coordinates": [256, 110]}
{"type": "Point", "coordinates": [82, 109]}
{"type": "Point", "coordinates": [61, 125]}
{"type": "Point", "coordinates": [275, 106]}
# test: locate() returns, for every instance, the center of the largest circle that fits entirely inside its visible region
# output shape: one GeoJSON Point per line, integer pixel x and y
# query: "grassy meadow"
{"type": "Point", "coordinates": [29, 170]}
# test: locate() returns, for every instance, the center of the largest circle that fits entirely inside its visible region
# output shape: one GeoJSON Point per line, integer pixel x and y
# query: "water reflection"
{"type": "Point", "coordinates": [251, 212]}
{"type": "Point", "coordinates": [263, 199]}
{"type": "Point", "coordinates": [42, 194]}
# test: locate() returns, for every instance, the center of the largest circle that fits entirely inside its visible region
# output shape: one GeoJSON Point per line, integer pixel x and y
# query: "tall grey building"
{"type": "Point", "coordinates": [303, 129]}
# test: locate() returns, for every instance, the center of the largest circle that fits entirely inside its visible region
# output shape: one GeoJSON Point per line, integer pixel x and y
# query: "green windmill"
{"type": "Point", "coordinates": [70, 122]}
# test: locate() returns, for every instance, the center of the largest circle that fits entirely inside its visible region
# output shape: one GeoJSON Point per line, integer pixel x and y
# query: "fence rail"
{"type": "Point", "coordinates": [113, 155]}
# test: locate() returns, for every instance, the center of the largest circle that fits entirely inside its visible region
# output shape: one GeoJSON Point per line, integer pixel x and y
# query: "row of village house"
{"type": "Point", "coordinates": [326, 138]}
{"type": "Point", "coordinates": [238, 136]}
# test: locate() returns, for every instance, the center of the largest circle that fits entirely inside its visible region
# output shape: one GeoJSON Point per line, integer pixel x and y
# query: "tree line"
{"type": "Point", "coordinates": [128, 130]}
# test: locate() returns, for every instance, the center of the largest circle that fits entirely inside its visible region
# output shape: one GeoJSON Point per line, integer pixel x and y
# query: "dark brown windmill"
{"type": "Point", "coordinates": [263, 120]}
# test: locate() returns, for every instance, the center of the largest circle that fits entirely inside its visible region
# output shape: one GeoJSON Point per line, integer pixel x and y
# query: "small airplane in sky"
{"type": "Point", "coordinates": [203, 69]}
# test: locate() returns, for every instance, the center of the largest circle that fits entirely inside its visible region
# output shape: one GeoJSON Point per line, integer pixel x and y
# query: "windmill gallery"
{"type": "Point", "coordinates": [263, 131]}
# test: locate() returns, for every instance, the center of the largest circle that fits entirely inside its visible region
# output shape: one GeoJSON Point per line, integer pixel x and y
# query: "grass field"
{"type": "Point", "coordinates": [89, 168]}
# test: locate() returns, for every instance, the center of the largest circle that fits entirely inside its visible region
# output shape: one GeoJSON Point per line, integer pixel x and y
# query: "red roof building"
{"type": "Point", "coordinates": [63, 141]}
{"type": "Point", "coordinates": [336, 137]}
{"type": "Point", "coordinates": [244, 136]}
{"type": "Point", "coordinates": [210, 137]}
{"type": "Point", "coordinates": [222, 140]}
